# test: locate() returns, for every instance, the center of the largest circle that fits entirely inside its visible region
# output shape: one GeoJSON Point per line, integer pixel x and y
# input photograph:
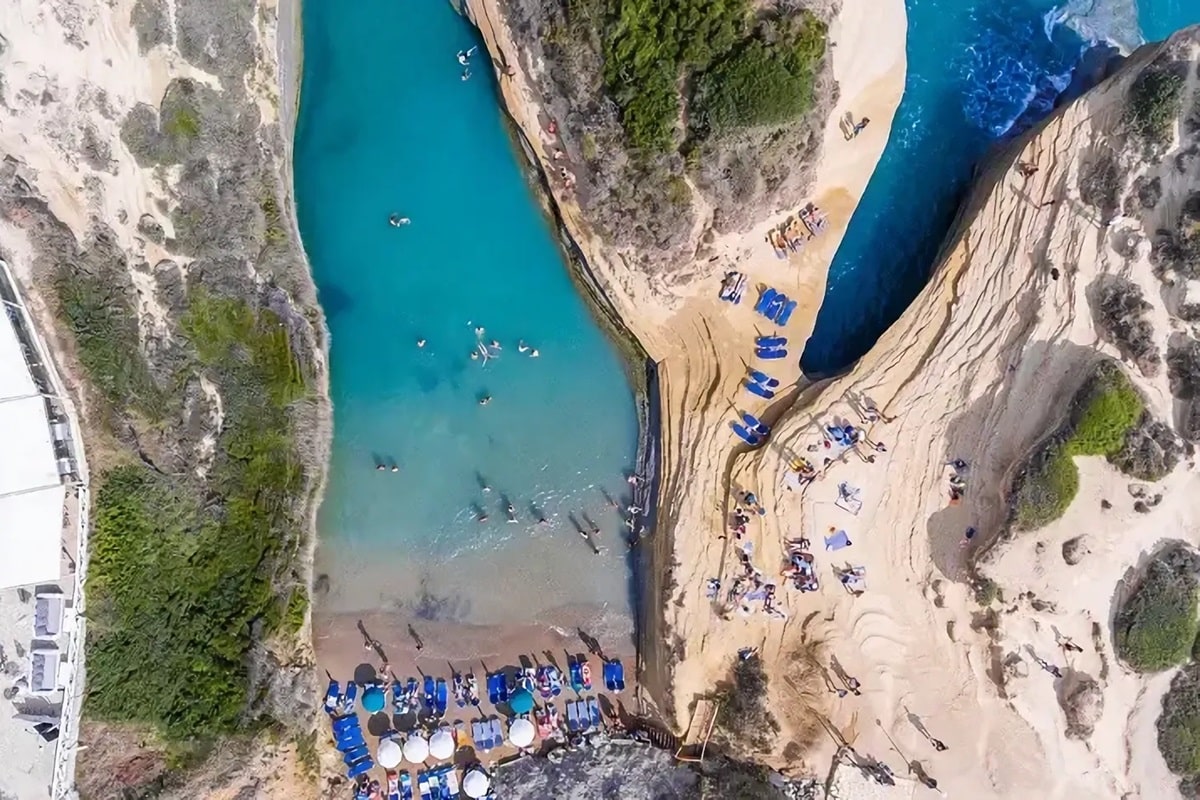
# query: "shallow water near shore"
{"type": "Point", "coordinates": [387, 126]}
{"type": "Point", "coordinates": [974, 69]}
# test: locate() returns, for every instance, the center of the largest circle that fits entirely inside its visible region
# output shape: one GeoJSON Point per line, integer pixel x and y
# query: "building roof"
{"type": "Point", "coordinates": [31, 489]}
{"type": "Point", "coordinates": [15, 380]}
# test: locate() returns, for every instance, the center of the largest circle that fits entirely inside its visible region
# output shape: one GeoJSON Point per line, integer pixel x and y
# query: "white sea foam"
{"type": "Point", "coordinates": [1113, 22]}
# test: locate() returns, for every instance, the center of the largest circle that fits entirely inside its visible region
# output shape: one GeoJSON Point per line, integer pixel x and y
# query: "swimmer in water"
{"type": "Point", "coordinates": [479, 331]}
{"type": "Point", "coordinates": [466, 74]}
{"type": "Point", "coordinates": [534, 353]}
{"type": "Point", "coordinates": [483, 401]}
{"type": "Point", "coordinates": [420, 342]}
{"type": "Point", "coordinates": [395, 468]}
{"type": "Point", "coordinates": [482, 517]}
{"type": "Point", "coordinates": [543, 521]}
{"type": "Point", "coordinates": [379, 467]}
{"type": "Point", "coordinates": [512, 513]}
{"type": "Point", "coordinates": [474, 355]}
{"type": "Point", "coordinates": [522, 347]}
{"type": "Point", "coordinates": [495, 344]}
{"type": "Point", "coordinates": [462, 58]}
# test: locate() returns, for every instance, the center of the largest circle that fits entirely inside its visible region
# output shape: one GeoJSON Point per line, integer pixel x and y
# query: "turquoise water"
{"type": "Point", "coordinates": [974, 68]}
{"type": "Point", "coordinates": [386, 126]}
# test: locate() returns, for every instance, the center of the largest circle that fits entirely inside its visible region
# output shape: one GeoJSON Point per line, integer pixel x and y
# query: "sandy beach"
{"type": "Point", "coordinates": [978, 369]}
{"type": "Point", "coordinates": [699, 343]}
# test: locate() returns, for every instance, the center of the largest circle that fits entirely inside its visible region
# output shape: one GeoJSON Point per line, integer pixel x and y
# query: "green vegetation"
{"type": "Point", "coordinates": [101, 314]}
{"type": "Point", "coordinates": [272, 217]}
{"type": "Point", "coordinates": [763, 83]}
{"type": "Point", "coordinates": [180, 576]}
{"type": "Point", "coordinates": [182, 123]}
{"type": "Point", "coordinates": [743, 74]}
{"type": "Point", "coordinates": [1155, 102]}
{"type": "Point", "coordinates": [742, 714]}
{"type": "Point", "coordinates": [297, 609]}
{"type": "Point", "coordinates": [1156, 627]}
{"type": "Point", "coordinates": [987, 591]}
{"type": "Point", "coordinates": [1179, 725]}
{"type": "Point", "coordinates": [1103, 413]}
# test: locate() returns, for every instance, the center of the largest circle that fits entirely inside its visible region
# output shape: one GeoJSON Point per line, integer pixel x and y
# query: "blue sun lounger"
{"type": "Point", "coordinates": [493, 688]}
{"type": "Point", "coordinates": [763, 379]}
{"type": "Point", "coordinates": [502, 685]}
{"type": "Point", "coordinates": [764, 300]}
{"type": "Point", "coordinates": [594, 712]}
{"type": "Point", "coordinates": [608, 672]}
{"type": "Point", "coordinates": [618, 676]}
{"type": "Point", "coordinates": [361, 767]}
{"type": "Point", "coordinates": [344, 722]}
{"type": "Point", "coordinates": [441, 698]}
{"type": "Point", "coordinates": [777, 304]}
{"type": "Point", "coordinates": [755, 424]}
{"type": "Point", "coordinates": [785, 313]}
{"type": "Point", "coordinates": [497, 732]}
{"type": "Point", "coordinates": [770, 355]}
{"type": "Point", "coordinates": [394, 793]}
{"type": "Point", "coordinates": [770, 341]}
{"type": "Point", "coordinates": [572, 717]}
{"type": "Point", "coordinates": [349, 697]}
{"type": "Point", "coordinates": [575, 670]}
{"type": "Point", "coordinates": [747, 437]}
{"type": "Point", "coordinates": [754, 388]}
{"type": "Point", "coordinates": [427, 691]}
{"type": "Point", "coordinates": [582, 713]}
{"type": "Point", "coordinates": [406, 786]}
{"type": "Point", "coordinates": [423, 786]}
{"type": "Point", "coordinates": [332, 694]}
{"type": "Point", "coordinates": [351, 757]}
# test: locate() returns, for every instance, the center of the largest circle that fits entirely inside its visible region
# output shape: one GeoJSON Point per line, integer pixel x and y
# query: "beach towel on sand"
{"type": "Point", "coordinates": [837, 541]}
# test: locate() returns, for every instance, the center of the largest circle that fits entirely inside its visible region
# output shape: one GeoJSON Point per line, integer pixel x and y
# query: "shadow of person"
{"type": "Point", "coordinates": [916, 722]}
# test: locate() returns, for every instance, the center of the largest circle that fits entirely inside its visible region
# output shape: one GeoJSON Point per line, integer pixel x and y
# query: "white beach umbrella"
{"type": "Point", "coordinates": [521, 732]}
{"type": "Point", "coordinates": [441, 744]}
{"type": "Point", "coordinates": [389, 753]}
{"type": "Point", "coordinates": [475, 784]}
{"type": "Point", "coordinates": [416, 749]}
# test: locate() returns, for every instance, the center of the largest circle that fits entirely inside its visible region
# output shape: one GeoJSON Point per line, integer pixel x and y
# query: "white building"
{"type": "Point", "coordinates": [39, 535]}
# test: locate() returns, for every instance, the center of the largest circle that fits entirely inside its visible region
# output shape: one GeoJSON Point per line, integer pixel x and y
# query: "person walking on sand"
{"type": "Point", "coordinates": [416, 637]}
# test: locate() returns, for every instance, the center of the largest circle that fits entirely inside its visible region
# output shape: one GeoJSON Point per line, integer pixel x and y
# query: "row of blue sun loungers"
{"type": "Point", "coordinates": [356, 755]}
{"type": "Point", "coordinates": [754, 431]}
{"type": "Point", "coordinates": [438, 784]}
{"type": "Point", "coordinates": [487, 734]}
{"type": "Point", "coordinates": [770, 347]}
{"type": "Point", "coordinates": [583, 715]}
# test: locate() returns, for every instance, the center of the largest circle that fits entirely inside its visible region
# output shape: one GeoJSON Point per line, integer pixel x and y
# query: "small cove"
{"type": "Point", "coordinates": [973, 69]}
{"type": "Point", "coordinates": [387, 125]}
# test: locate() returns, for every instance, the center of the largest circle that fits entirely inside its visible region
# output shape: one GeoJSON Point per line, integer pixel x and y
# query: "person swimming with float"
{"type": "Point", "coordinates": [522, 347]}
{"type": "Point", "coordinates": [512, 513]}
{"type": "Point", "coordinates": [483, 401]}
{"type": "Point", "coordinates": [534, 353]}
{"type": "Point", "coordinates": [396, 220]}
{"type": "Point", "coordinates": [420, 342]}
{"type": "Point", "coordinates": [495, 344]}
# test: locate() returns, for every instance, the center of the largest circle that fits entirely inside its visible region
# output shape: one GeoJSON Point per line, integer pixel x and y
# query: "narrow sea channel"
{"type": "Point", "coordinates": [388, 126]}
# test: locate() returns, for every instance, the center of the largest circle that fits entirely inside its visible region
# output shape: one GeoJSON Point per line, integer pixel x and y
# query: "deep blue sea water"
{"type": "Point", "coordinates": [974, 67]}
{"type": "Point", "coordinates": [386, 126]}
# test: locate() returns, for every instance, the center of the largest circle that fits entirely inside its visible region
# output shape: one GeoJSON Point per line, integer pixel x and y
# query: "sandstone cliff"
{"type": "Point", "coordinates": [1076, 248]}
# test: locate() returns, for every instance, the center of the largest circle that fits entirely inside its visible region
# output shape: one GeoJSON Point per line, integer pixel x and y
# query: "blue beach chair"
{"type": "Point", "coordinates": [423, 786]}
{"type": "Point", "coordinates": [497, 732]}
{"type": "Point", "coordinates": [572, 717]}
{"type": "Point", "coordinates": [755, 424]}
{"type": "Point", "coordinates": [575, 670]}
{"type": "Point", "coordinates": [594, 712]}
{"type": "Point", "coordinates": [352, 756]}
{"type": "Point", "coordinates": [441, 698]}
{"type": "Point", "coordinates": [344, 723]}
{"type": "Point", "coordinates": [502, 686]}
{"type": "Point", "coordinates": [608, 681]}
{"type": "Point", "coordinates": [406, 786]}
{"type": "Point", "coordinates": [755, 389]}
{"type": "Point", "coordinates": [430, 688]}
{"type": "Point", "coordinates": [770, 353]}
{"type": "Point", "coordinates": [618, 676]}
{"type": "Point", "coordinates": [350, 740]}
{"type": "Point", "coordinates": [361, 767]}
{"type": "Point", "coordinates": [770, 341]}
{"type": "Point", "coordinates": [494, 679]}
{"type": "Point", "coordinates": [763, 379]}
{"type": "Point", "coordinates": [332, 695]}
{"type": "Point", "coordinates": [764, 300]}
{"type": "Point", "coordinates": [785, 313]}
{"type": "Point", "coordinates": [349, 698]}
{"type": "Point", "coordinates": [749, 438]}
{"type": "Point", "coordinates": [479, 735]}
{"type": "Point", "coordinates": [581, 713]}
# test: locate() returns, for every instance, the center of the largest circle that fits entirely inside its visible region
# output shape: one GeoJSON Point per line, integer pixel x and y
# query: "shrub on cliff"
{"type": "Point", "coordinates": [1150, 452]}
{"type": "Point", "coordinates": [1179, 727]}
{"type": "Point", "coordinates": [1155, 627]}
{"type": "Point", "coordinates": [150, 627]}
{"type": "Point", "coordinates": [762, 82]}
{"type": "Point", "coordinates": [1102, 413]}
{"type": "Point", "coordinates": [1120, 310]}
{"type": "Point", "coordinates": [743, 718]}
{"type": "Point", "coordinates": [1155, 101]}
